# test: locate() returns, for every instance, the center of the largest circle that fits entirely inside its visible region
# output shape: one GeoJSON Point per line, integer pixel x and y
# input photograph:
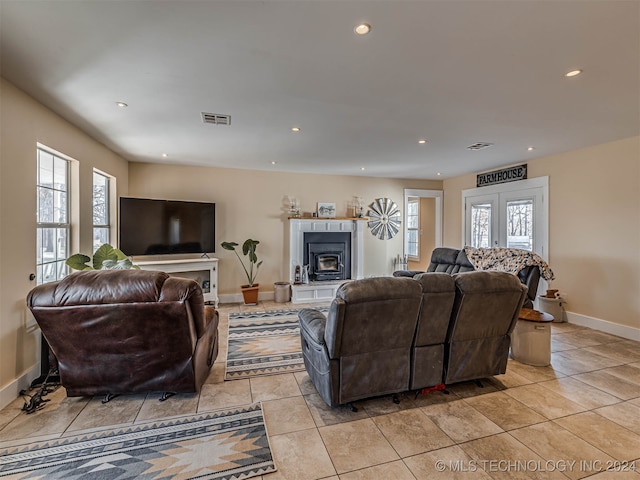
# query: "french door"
{"type": "Point", "coordinates": [514, 215]}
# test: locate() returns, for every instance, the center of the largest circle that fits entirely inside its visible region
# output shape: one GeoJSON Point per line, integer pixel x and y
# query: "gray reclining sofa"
{"type": "Point", "coordinates": [393, 334]}
{"type": "Point", "coordinates": [453, 260]}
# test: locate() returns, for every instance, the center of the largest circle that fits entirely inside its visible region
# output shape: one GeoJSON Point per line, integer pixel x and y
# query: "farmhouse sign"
{"type": "Point", "coordinates": [510, 174]}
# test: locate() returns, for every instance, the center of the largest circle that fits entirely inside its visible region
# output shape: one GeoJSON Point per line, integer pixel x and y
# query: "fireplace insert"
{"type": "Point", "coordinates": [328, 255]}
{"type": "Point", "coordinates": [327, 265]}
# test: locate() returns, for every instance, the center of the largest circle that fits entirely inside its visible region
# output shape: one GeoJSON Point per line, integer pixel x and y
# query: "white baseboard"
{"type": "Point", "coordinates": [12, 391]}
{"type": "Point", "coordinates": [237, 297]}
{"type": "Point", "coordinates": [624, 331]}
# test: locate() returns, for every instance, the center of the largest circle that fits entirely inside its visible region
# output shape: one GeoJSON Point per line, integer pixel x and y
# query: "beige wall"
{"type": "Point", "coordinates": [594, 227]}
{"type": "Point", "coordinates": [23, 123]}
{"type": "Point", "coordinates": [254, 204]}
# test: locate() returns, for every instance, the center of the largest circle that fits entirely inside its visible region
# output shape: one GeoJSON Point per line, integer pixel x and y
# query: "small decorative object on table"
{"type": "Point", "coordinates": [297, 276]}
{"type": "Point", "coordinates": [326, 210]}
{"type": "Point", "coordinates": [358, 207]}
{"type": "Point", "coordinates": [401, 263]}
{"type": "Point", "coordinates": [294, 208]}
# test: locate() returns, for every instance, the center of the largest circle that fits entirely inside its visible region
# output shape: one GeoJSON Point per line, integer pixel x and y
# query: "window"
{"type": "Point", "coordinates": [53, 224]}
{"type": "Point", "coordinates": [480, 223]}
{"type": "Point", "coordinates": [101, 212]}
{"type": "Point", "coordinates": [413, 226]}
{"type": "Point", "coordinates": [520, 224]}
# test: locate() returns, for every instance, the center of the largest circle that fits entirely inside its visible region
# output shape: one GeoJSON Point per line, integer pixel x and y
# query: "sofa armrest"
{"type": "Point", "coordinates": [312, 324]}
{"type": "Point", "coordinates": [211, 315]}
{"type": "Point", "coordinates": [407, 273]}
{"type": "Point", "coordinates": [530, 277]}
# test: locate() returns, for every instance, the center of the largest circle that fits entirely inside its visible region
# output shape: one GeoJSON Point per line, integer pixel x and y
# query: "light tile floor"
{"type": "Point", "coordinates": [574, 419]}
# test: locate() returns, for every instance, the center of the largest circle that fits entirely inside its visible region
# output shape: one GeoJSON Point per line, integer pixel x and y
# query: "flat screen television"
{"type": "Point", "coordinates": [160, 227]}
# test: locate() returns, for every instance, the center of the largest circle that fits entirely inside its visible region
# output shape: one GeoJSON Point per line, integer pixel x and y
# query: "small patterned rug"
{"type": "Point", "coordinates": [229, 444]}
{"type": "Point", "coordinates": [264, 343]}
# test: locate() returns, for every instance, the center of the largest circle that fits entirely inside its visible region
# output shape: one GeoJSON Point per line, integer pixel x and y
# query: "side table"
{"type": "Point", "coordinates": [531, 338]}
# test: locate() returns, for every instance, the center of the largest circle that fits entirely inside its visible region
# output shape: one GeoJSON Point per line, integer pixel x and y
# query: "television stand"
{"type": "Point", "coordinates": [202, 270]}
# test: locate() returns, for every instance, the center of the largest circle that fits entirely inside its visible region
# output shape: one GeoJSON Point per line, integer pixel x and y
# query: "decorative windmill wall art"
{"type": "Point", "coordinates": [384, 218]}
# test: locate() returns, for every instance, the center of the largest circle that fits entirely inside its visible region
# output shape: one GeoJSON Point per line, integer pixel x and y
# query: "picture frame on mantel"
{"type": "Point", "coordinates": [326, 210]}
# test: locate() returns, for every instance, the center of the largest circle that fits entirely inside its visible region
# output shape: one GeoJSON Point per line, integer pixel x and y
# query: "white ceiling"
{"type": "Point", "coordinates": [452, 72]}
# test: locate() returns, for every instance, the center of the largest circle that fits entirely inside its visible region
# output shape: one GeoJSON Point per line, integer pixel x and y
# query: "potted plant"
{"type": "Point", "coordinates": [105, 258]}
{"type": "Point", "coordinates": [250, 290]}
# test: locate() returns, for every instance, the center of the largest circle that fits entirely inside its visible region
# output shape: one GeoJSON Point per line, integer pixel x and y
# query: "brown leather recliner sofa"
{"type": "Point", "coordinates": [389, 335]}
{"type": "Point", "coordinates": [127, 331]}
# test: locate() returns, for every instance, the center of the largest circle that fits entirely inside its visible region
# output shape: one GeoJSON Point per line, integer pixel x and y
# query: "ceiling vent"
{"type": "Point", "coordinates": [216, 118]}
{"type": "Point", "coordinates": [479, 146]}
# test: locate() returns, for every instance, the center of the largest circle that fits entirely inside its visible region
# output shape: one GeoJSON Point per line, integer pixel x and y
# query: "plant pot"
{"type": "Point", "coordinates": [250, 294]}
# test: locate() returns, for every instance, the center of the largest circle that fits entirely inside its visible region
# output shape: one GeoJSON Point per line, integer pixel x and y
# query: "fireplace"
{"type": "Point", "coordinates": [338, 259]}
{"type": "Point", "coordinates": [328, 255]}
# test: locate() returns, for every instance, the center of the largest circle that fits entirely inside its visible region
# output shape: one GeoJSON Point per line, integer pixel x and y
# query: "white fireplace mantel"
{"type": "Point", "coordinates": [317, 291]}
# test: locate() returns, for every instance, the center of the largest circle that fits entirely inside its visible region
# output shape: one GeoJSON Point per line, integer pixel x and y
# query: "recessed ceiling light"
{"type": "Point", "coordinates": [274, 162]}
{"type": "Point", "coordinates": [362, 29]}
{"type": "Point", "coordinates": [122, 104]}
{"type": "Point", "coordinates": [438, 174]}
{"type": "Point", "coordinates": [573, 73]}
{"type": "Point", "coordinates": [165, 155]}
{"type": "Point", "coordinates": [295, 129]}
{"type": "Point", "coordinates": [361, 168]}
{"type": "Point", "coordinates": [422, 141]}
{"type": "Point", "coordinates": [530, 149]}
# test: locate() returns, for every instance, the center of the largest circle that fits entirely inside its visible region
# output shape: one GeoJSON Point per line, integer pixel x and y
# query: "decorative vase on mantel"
{"type": "Point", "coordinates": [250, 294]}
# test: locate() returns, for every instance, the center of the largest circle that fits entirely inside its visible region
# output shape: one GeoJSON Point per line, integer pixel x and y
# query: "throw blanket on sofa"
{"type": "Point", "coordinates": [510, 260]}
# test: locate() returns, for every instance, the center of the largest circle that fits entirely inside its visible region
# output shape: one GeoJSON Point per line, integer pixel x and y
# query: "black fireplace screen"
{"type": "Point", "coordinates": [328, 262]}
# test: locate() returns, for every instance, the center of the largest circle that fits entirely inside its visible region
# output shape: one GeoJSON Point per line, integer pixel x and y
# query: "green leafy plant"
{"type": "Point", "coordinates": [105, 258]}
{"type": "Point", "coordinates": [248, 250]}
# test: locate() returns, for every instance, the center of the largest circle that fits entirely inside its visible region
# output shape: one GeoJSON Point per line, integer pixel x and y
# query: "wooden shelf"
{"type": "Point", "coordinates": [363, 219]}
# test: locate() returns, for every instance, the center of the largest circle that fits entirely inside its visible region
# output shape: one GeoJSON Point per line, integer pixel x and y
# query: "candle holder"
{"type": "Point", "coordinates": [294, 208]}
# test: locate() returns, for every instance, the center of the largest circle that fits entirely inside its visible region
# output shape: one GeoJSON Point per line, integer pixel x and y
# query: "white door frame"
{"type": "Point", "coordinates": [438, 195]}
{"type": "Point", "coordinates": [541, 238]}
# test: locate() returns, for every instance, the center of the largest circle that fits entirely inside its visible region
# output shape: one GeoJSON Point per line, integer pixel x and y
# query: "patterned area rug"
{"type": "Point", "coordinates": [230, 444]}
{"type": "Point", "coordinates": [264, 343]}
